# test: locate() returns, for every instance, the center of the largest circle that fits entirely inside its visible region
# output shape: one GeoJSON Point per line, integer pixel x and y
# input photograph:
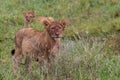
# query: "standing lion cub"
{"type": "Point", "coordinates": [36, 45]}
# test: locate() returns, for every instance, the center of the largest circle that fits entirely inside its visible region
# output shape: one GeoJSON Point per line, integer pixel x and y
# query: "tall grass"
{"type": "Point", "coordinates": [85, 53]}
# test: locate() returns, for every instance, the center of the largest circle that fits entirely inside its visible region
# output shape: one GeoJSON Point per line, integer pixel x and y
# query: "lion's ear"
{"type": "Point", "coordinates": [64, 23]}
{"type": "Point", "coordinates": [29, 12]}
{"type": "Point", "coordinates": [46, 23]}
{"type": "Point", "coordinates": [51, 19]}
{"type": "Point", "coordinates": [46, 20]}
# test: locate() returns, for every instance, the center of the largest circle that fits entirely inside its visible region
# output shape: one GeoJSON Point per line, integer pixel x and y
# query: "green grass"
{"type": "Point", "coordinates": [85, 53]}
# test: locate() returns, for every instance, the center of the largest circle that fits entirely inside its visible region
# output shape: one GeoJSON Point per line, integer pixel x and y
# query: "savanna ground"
{"type": "Point", "coordinates": [90, 48]}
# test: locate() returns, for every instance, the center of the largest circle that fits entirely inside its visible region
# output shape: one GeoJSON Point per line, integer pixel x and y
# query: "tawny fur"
{"type": "Point", "coordinates": [36, 45]}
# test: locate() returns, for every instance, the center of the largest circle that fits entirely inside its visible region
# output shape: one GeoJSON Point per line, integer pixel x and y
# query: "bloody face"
{"type": "Point", "coordinates": [56, 30]}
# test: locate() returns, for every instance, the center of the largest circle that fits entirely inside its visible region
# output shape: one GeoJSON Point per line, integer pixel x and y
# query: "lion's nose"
{"type": "Point", "coordinates": [57, 34]}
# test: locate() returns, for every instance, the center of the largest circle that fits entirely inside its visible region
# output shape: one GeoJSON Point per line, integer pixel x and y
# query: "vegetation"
{"type": "Point", "coordinates": [90, 49]}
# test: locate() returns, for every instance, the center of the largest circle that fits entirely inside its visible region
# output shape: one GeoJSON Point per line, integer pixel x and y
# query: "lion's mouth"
{"type": "Point", "coordinates": [57, 36]}
{"type": "Point", "coordinates": [28, 20]}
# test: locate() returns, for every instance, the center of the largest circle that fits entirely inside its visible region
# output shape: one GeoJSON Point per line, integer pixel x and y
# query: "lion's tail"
{"type": "Point", "coordinates": [12, 52]}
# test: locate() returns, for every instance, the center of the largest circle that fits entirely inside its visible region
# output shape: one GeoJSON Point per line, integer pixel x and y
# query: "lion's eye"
{"type": "Point", "coordinates": [60, 27]}
{"type": "Point", "coordinates": [26, 16]}
{"type": "Point", "coordinates": [31, 16]}
{"type": "Point", "coordinates": [52, 28]}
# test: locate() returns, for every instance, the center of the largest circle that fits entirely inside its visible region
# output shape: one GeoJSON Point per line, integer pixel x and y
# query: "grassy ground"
{"type": "Point", "coordinates": [85, 53]}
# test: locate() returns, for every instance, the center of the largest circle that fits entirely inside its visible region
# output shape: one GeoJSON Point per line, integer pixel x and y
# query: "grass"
{"type": "Point", "coordinates": [85, 53]}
